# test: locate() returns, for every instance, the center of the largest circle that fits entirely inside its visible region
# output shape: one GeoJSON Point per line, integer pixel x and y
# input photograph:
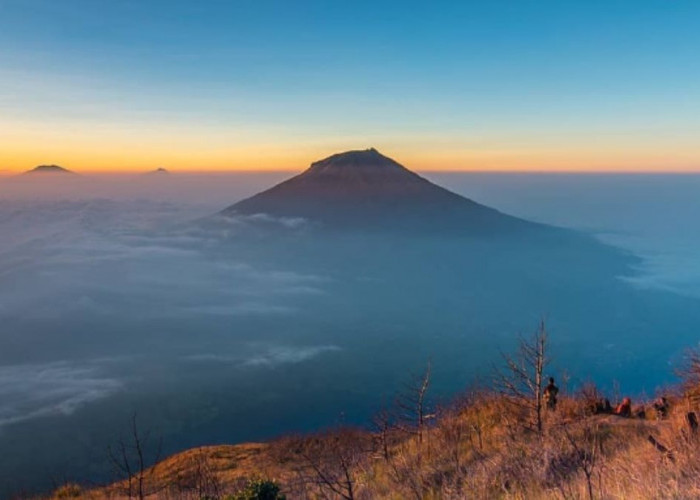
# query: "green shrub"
{"type": "Point", "coordinates": [259, 489]}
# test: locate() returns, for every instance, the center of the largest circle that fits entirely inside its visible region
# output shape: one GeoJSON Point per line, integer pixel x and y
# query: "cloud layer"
{"type": "Point", "coordinates": [58, 388]}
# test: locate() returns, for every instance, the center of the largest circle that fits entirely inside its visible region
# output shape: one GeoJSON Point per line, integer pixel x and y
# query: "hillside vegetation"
{"type": "Point", "coordinates": [498, 442]}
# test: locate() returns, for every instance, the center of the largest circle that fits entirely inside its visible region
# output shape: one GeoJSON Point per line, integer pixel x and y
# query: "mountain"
{"type": "Point", "coordinates": [366, 189]}
{"type": "Point", "coordinates": [158, 171]}
{"type": "Point", "coordinates": [49, 169]}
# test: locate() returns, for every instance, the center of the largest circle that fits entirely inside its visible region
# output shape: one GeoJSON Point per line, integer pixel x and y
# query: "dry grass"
{"type": "Point", "coordinates": [483, 446]}
{"type": "Point", "coordinates": [476, 449]}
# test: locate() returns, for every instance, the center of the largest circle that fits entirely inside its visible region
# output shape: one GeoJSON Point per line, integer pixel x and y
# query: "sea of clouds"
{"type": "Point", "coordinates": [105, 247]}
{"type": "Point", "coordinates": [117, 293]}
{"type": "Point", "coordinates": [112, 248]}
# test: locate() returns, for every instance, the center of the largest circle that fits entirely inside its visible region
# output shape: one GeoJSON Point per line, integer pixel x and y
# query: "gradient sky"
{"type": "Point", "coordinates": [257, 84]}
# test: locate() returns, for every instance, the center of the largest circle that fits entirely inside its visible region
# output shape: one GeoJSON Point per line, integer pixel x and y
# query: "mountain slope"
{"type": "Point", "coordinates": [365, 189]}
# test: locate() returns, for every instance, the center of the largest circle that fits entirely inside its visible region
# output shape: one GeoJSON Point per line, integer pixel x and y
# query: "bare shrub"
{"type": "Point", "coordinates": [412, 402]}
{"type": "Point", "coordinates": [132, 458]}
{"type": "Point", "coordinates": [200, 479]}
{"type": "Point", "coordinates": [521, 382]}
{"type": "Point", "coordinates": [331, 462]}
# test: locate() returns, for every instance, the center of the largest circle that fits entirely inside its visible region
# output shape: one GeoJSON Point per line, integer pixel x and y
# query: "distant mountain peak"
{"type": "Point", "coordinates": [365, 189]}
{"type": "Point", "coordinates": [49, 169]}
{"type": "Point", "coordinates": [159, 171]}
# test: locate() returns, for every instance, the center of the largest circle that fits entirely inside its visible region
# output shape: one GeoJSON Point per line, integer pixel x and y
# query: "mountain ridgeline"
{"type": "Point", "coordinates": [366, 190]}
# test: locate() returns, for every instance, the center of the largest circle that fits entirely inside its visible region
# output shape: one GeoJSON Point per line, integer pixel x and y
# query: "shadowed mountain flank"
{"type": "Point", "coordinates": [366, 189]}
{"type": "Point", "coordinates": [385, 219]}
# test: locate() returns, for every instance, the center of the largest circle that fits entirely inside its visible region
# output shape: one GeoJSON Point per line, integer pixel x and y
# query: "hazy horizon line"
{"type": "Point", "coordinates": [190, 172]}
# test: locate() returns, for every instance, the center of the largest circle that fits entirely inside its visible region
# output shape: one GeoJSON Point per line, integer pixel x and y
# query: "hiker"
{"type": "Point", "coordinates": [550, 395]}
{"type": "Point", "coordinates": [661, 406]}
{"type": "Point", "coordinates": [624, 409]}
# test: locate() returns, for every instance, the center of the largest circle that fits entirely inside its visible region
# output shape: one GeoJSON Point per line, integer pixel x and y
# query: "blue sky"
{"type": "Point", "coordinates": [516, 84]}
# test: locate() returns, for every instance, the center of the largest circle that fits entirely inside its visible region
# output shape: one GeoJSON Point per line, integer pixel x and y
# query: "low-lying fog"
{"type": "Point", "coordinates": [112, 304]}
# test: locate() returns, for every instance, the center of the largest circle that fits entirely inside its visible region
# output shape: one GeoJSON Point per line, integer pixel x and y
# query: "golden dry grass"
{"type": "Point", "coordinates": [478, 449]}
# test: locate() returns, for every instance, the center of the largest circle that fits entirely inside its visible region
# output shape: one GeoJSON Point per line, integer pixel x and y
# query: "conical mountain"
{"type": "Point", "coordinates": [365, 189]}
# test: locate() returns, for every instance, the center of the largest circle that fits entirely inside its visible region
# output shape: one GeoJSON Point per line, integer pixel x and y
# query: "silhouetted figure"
{"type": "Point", "coordinates": [550, 395]}
{"type": "Point", "coordinates": [624, 409]}
{"type": "Point", "coordinates": [661, 406]}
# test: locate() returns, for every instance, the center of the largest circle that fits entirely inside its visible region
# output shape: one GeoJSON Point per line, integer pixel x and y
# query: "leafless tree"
{"type": "Point", "coordinates": [201, 479]}
{"type": "Point", "coordinates": [521, 383]}
{"type": "Point", "coordinates": [470, 407]}
{"type": "Point", "coordinates": [129, 458]}
{"type": "Point", "coordinates": [413, 405]}
{"type": "Point", "coordinates": [383, 423]}
{"type": "Point", "coordinates": [587, 449]}
{"type": "Point", "coordinates": [453, 431]}
{"type": "Point", "coordinates": [334, 459]}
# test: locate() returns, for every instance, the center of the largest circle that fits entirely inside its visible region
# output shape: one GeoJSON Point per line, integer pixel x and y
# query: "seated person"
{"type": "Point", "coordinates": [624, 409]}
{"type": "Point", "coordinates": [661, 406]}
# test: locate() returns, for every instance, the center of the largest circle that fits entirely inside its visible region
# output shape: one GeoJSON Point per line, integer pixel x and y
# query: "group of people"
{"type": "Point", "coordinates": [624, 409]}
{"type": "Point", "coordinates": [661, 407]}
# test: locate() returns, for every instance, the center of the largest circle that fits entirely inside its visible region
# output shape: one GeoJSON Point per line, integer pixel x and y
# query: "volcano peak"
{"type": "Point", "coordinates": [356, 157]}
{"type": "Point", "coordinates": [357, 162]}
{"type": "Point", "coordinates": [364, 188]}
{"type": "Point", "coordinates": [360, 173]}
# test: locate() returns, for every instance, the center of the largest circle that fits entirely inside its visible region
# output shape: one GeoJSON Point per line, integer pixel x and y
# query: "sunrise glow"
{"type": "Point", "coordinates": [247, 86]}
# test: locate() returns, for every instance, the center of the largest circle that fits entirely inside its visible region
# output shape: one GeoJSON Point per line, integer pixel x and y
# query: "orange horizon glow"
{"type": "Point", "coordinates": [118, 148]}
{"type": "Point", "coordinates": [121, 100]}
{"type": "Point", "coordinates": [295, 170]}
{"type": "Point", "coordinates": [104, 158]}
{"type": "Point", "coordinates": [89, 146]}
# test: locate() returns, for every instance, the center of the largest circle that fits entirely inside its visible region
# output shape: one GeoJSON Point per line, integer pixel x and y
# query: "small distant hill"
{"type": "Point", "coordinates": [49, 169]}
{"type": "Point", "coordinates": [158, 171]}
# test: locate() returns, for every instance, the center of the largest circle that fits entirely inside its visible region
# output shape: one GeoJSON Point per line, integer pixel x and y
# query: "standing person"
{"type": "Point", "coordinates": [550, 395]}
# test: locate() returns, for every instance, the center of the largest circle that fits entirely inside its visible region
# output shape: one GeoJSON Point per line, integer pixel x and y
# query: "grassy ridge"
{"type": "Point", "coordinates": [500, 442]}
{"type": "Point", "coordinates": [478, 448]}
